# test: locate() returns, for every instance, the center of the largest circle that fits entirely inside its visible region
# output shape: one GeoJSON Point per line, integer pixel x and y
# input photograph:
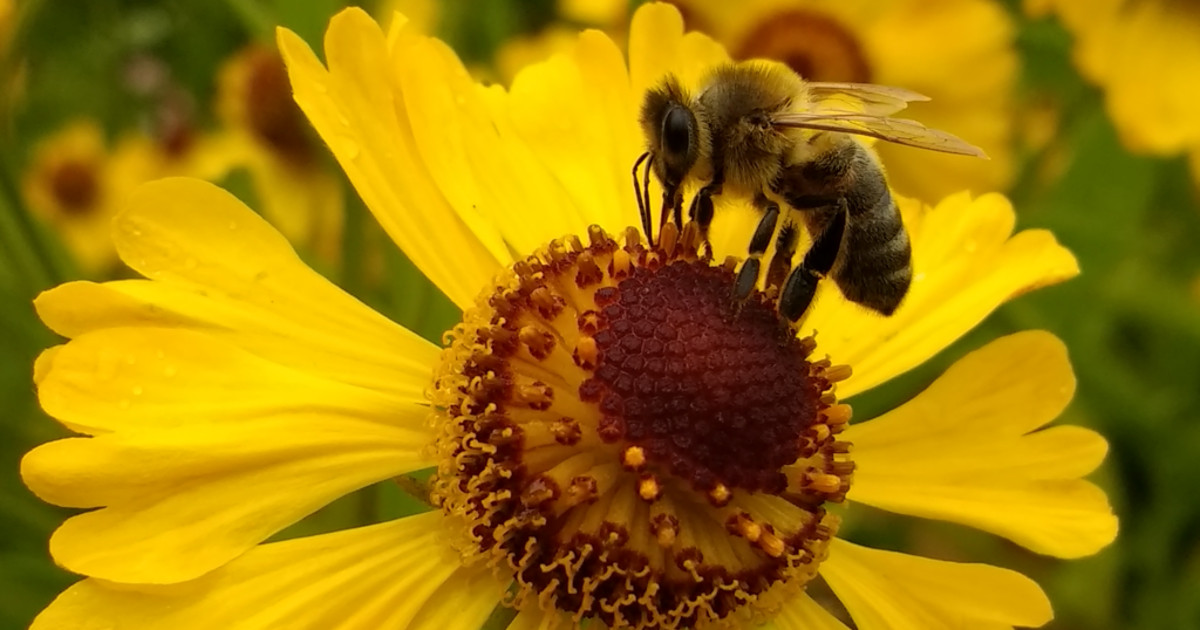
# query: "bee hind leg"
{"type": "Point", "coordinates": [801, 285]}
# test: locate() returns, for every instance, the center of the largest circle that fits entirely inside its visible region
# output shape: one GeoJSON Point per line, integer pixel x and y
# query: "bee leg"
{"type": "Point", "coordinates": [701, 210]}
{"type": "Point", "coordinates": [801, 285]}
{"type": "Point", "coordinates": [781, 261]}
{"type": "Point", "coordinates": [748, 275]}
{"type": "Point", "coordinates": [672, 202]}
{"type": "Point", "coordinates": [642, 192]}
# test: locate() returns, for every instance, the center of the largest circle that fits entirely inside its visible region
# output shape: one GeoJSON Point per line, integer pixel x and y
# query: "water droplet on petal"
{"type": "Point", "coordinates": [136, 390]}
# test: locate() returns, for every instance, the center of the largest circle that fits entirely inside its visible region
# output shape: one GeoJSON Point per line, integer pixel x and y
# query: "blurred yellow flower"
{"type": "Point", "coordinates": [8, 15]}
{"type": "Point", "coordinates": [958, 52]}
{"type": "Point", "coordinates": [76, 183]}
{"type": "Point", "coordinates": [265, 133]}
{"type": "Point", "coordinates": [518, 52]}
{"type": "Point", "coordinates": [420, 15]}
{"type": "Point", "coordinates": [70, 185]}
{"type": "Point", "coordinates": [1145, 56]}
{"type": "Point", "coordinates": [602, 13]}
{"type": "Point", "coordinates": [609, 444]}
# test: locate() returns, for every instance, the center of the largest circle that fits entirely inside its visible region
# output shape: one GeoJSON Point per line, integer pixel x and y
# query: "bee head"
{"type": "Point", "coordinates": [672, 130]}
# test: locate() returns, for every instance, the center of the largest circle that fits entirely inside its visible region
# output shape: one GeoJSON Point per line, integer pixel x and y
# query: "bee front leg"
{"type": "Point", "coordinates": [672, 202]}
{"type": "Point", "coordinates": [701, 210]}
{"type": "Point", "coordinates": [801, 285]}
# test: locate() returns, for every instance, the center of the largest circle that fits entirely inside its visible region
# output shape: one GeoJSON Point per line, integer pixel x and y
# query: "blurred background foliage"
{"type": "Point", "coordinates": [148, 75]}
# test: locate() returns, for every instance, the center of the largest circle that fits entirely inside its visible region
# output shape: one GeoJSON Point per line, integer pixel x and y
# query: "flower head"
{"type": "Point", "coordinates": [613, 440]}
{"type": "Point", "coordinates": [907, 43]}
{"type": "Point", "coordinates": [1144, 56]}
{"type": "Point", "coordinates": [267, 134]}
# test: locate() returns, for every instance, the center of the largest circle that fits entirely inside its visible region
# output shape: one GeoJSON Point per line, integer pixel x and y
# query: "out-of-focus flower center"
{"type": "Point", "coordinates": [271, 112]}
{"type": "Point", "coordinates": [75, 186]}
{"type": "Point", "coordinates": [813, 44]}
{"type": "Point", "coordinates": [633, 446]}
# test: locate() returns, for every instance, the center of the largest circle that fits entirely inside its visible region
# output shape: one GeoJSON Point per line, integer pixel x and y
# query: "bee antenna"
{"type": "Point", "coordinates": [642, 191]}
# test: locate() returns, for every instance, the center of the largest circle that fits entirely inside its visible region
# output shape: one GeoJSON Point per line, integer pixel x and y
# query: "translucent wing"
{"type": "Point", "coordinates": [861, 98]}
{"type": "Point", "coordinates": [897, 130]}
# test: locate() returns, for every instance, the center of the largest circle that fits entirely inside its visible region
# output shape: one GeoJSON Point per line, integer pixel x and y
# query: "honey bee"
{"type": "Point", "coordinates": [755, 129]}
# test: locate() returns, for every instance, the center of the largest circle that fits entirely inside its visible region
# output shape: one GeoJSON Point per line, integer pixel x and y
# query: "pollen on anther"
{"type": "Point", "coordinates": [747, 528]}
{"type": "Point", "coordinates": [719, 495]}
{"type": "Point", "coordinates": [621, 264]}
{"type": "Point", "coordinates": [668, 238]}
{"type": "Point", "coordinates": [823, 482]}
{"type": "Point", "coordinates": [566, 431]}
{"type": "Point", "coordinates": [633, 458]}
{"type": "Point", "coordinates": [771, 544]}
{"type": "Point", "coordinates": [586, 353]}
{"type": "Point", "coordinates": [535, 395]}
{"type": "Point", "coordinates": [540, 342]}
{"type": "Point", "coordinates": [837, 414]}
{"type": "Point", "coordinates": [582, 488]}
{"type": "Point", "coordinates": [649, 488]}
{"type": "Point", "coordinates": [665, 528]}
{"type": "Point", "coordinates": [837, 373]}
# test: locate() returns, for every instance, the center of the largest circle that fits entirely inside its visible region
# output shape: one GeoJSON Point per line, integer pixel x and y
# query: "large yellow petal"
{"type": "Point", "coordinates": [397, 574]}
{"type": "Point", "coordinates": [885, 590]}
{"type": "Point", "coordinates": [183, 500]}
{"type": "Point", "coordinates": [123, 379]}
{"type": "Point", "coordinates": [658, 45]}
{"type": "Point", "coordinates": [358, 108]}
{"type": "Point", "coordinates": [576, 115]}
{"type": "Point", "coordinates": [804, 613]}
{"type": "Point", "coordinates": [219, 268]}
{"type": "Point", "coordinates": [466, 138]}
{"type": "Point", "coordinates": [965, 264]}
{"type": "Point", "coordinates": [966, 450]}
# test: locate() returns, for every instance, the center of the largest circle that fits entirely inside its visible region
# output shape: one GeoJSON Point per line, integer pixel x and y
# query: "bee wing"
{"type": "Point", "coordinates": [897, 130]}
{"type": "Point", "coordinates": [862, 98]}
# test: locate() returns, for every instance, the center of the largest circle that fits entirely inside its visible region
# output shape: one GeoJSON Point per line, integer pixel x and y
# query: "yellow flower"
{"type": "Point", "coordinates": [603, 13]}
{"type": "Point", "coordinates": [523, 50]}
{"type": "Point", "coordinates": [266, 134]}
{"type": "Point", "coordinates": [8, 15]}
{"type": "Point", "coordinates": [76, 183]}
{"type": "Point", "coordinates": [1145, 56]}
{"type": "Point", "coordinates": [914, 44]}
{"type": "Point", "coordinates": [235, 391]}
{"type": "Point", "coordinates": [69, 185]}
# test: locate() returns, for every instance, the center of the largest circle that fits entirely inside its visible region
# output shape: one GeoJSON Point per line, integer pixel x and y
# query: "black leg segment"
{"type": "Point", "coordinates": [801, 285]}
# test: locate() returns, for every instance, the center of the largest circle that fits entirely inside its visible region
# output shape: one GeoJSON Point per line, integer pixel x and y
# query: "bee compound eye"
{"type": "Point", "coordinates": [677, 131]}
